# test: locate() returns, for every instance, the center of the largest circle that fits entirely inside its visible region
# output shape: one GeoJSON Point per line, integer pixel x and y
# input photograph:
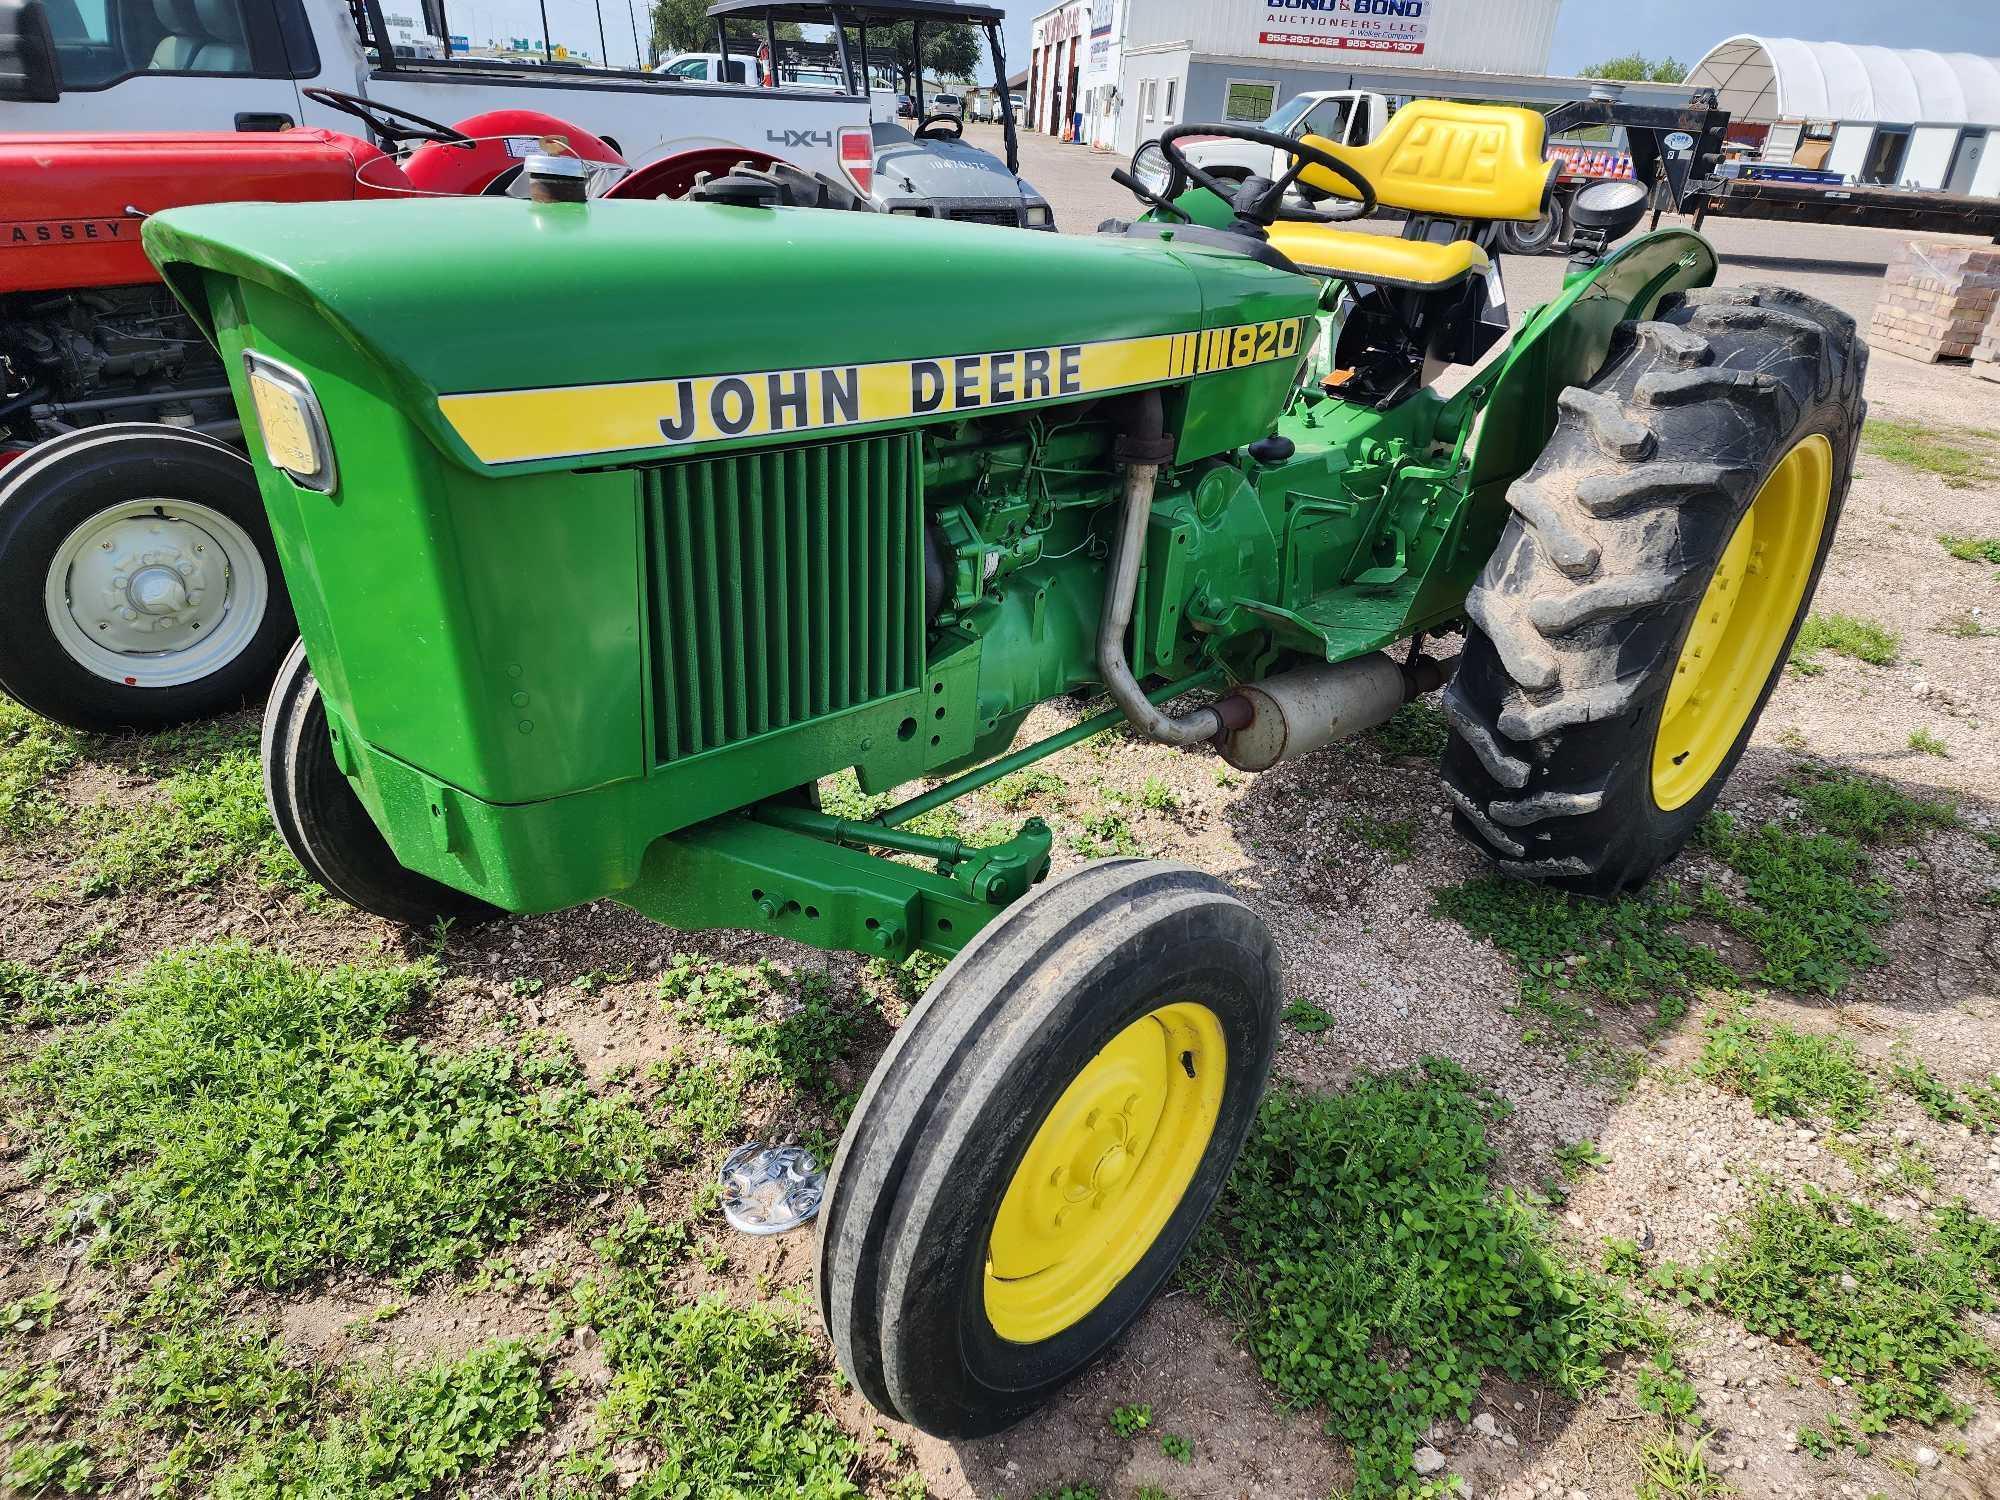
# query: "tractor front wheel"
{"type": "Point", "coordinates": [139, 586]}
{"type": "Point", "coordinates": [323, 822]}
{"type": "Point", "coordinates": [1042, 1140]}
{"type": "Point", "coordinates": [1661, 556]}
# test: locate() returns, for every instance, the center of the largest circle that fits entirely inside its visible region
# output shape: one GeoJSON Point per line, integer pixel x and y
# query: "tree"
{"type": "Point", "coordinates": [681, 26]}
{"type": "Point", "coordinates": [949, 51]}
{"type": "Point", "coordinates": [1633, 67]}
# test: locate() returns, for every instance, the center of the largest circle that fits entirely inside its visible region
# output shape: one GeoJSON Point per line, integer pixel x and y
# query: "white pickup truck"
{"type": "Point", "coordinates": [249, 65]}
{"type": "Point", "coordinates": [1347, 117]}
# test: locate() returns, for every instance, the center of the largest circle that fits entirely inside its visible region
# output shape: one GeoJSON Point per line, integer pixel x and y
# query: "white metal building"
{"type": "Point", "coordinates": [1905, 118]}
{"type": "Point", "coordinates": [1126, 69]}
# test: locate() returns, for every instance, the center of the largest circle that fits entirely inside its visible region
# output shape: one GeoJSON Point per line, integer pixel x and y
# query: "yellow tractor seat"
{"type": "Point", "coordinates": [1450, 161]}
{"type": "Point", "coordinates": [1323, 250]}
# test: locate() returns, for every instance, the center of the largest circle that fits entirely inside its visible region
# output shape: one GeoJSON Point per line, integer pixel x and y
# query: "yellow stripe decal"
{"type": "Point", "coordinates": [576, 421]}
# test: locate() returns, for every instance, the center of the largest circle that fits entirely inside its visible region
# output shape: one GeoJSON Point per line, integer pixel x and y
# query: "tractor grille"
{"type": "Point", "coordinates": [1011, 217]}
{"type": "Point", "coordinates": [783, 585]}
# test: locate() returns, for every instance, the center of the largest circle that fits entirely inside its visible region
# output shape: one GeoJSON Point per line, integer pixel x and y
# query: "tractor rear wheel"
{"type": "Point", "coordinates": [139, 585]}
{"type": "Point", "coordinates": [1638, 612]}
{"type": "Point", "coordinates": [323, 822]}
{"type": "Point", "coordinates": [1042, 1140]}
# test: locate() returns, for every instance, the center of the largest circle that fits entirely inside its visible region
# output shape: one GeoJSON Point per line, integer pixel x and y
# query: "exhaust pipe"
{"type": "Point", "coordinates": [1142, 447]}
{"type": "Point", "coordinates": [1308, 708]}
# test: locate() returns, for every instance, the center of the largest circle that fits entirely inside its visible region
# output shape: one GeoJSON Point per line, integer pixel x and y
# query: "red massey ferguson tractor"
{"type": "Point", "coordinates": [138, 585]}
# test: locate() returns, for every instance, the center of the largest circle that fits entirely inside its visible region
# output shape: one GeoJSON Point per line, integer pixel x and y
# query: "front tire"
{"type": "Point", "coordinates": [1042, 1140]}
{"type": "Point", "coordinates": [1638, 612]}
{"type": "Point", "coordinates": [323, 822]}
{"type": "Point", "coordinates": [139, 585]}
{"type": "Point", "coordinates": [1536, 238]}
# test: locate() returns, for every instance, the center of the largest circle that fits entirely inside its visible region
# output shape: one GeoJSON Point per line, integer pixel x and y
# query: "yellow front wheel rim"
{"type": "Point", "coordinates": [1745, 617]}
{"type": "Point", "coordinates": [1105, 1172]}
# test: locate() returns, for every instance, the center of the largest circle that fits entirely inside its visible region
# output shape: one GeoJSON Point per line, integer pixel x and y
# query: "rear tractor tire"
{"type": "Point", "coordinates": [323, 823]}
{"type": "Point", "coordinates": [1042, 1140]}
{"type": "Point", "coordinates": [1638, 612]}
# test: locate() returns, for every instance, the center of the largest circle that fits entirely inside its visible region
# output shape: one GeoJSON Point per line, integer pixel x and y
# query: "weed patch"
{"type": "Point", "coordinates": [1866, 808]}
{"type": "Point", "coordinates": [256, 1115]}
{"type": "Point", "coordinates": [1885, 1314]}
{"type": "Point", "coordinates": [1957, 456]}
{"type": "Point", "coordinates": [1569, 949]}
{"type": "Point", "coordinates": [30, 998]}
{"type": "Point", "coordinates": [1978, 1106]}
{"type": "Point", "coordinates": [1395, 837]}
{"type": "Point", "coordinates": [33, 753]}
{"type": "Point", "coordinates": [1984, 549]}
{"type": "Point", "coordinates": [722, 1395]}
{"type": "Point", "coordinates": [406, 1434]}
{"type": "Point", "coordinates": [1017, 789]}
{"type": "Point", "coordinates": [1814, 900]}
{"type": "Point", "coordinates": [1417, 729]}
{"type": "Point", "coordinates": [1926, 743]}
{"type": "Point", "coordinates": [1843, 635]}
{"type": "Point", "coordinates": [1304, 1016]}
{"type": "Point", "coordinates": [1796, 1074]}
{"type": "Point", "coordinates": [1364, 1221]}
{"type": "Point", "coordinates": [796, 1050]}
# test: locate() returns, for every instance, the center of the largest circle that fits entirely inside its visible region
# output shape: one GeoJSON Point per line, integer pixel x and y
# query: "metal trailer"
{"type": "Point", "coordinates": [1869, 206]}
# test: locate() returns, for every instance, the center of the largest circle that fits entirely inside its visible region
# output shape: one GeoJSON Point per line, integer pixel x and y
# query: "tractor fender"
{"type": "Point", "coordinates": [502, 140]}
{"type": "Point", "coordinates": [672, 176]}
{"type": "Point", "coordinates": [1564, 343]}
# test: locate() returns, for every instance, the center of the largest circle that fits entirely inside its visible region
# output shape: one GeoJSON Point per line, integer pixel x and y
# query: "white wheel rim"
{"type": "Point", "coordinates": [156, 593]}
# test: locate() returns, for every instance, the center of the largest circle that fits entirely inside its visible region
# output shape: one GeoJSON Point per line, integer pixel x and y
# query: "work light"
{"type": "Point", "coordinates": [289, 418]}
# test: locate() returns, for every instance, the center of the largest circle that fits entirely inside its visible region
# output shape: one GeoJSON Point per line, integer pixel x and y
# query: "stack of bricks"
{"type": "Point", "coordinates": [1986, 354]}
{"type": "Point", "coordinates": [1937, 296]}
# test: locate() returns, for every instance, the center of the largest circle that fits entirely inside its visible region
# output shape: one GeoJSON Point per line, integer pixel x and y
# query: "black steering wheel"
{"type": "Point", "coordinates": [930, 128]}
{"type": "Point", "coordinates": [396, 126]}
{"type": "Point", "coordinates": [1259, 200]}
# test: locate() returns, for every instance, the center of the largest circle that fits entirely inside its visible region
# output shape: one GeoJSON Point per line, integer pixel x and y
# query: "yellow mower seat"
{"type": "Point", "coordinates": [1452, 161]}
{"type": "Point", "coordinates": [1323, 250]}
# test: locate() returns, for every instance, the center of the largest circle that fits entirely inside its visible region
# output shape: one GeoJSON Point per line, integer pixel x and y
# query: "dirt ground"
{"type": "Point", "coordinates": [1360, 939]}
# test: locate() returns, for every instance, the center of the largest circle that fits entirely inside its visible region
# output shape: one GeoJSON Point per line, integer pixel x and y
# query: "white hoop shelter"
{"type": "Point", "coordinates": [1900, 116]}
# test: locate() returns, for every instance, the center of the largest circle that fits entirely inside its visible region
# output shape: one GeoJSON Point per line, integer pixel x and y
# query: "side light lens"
{"type": "Point", "coordinates": [857, 158]}
{"type": "Point", "coordinates": [1039, 215]}
{"type": "Point", "coordinates": [290, 422]}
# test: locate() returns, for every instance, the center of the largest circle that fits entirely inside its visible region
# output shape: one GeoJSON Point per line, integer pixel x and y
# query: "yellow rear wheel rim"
{"type": "Point", "coordinates": [1105, 1172]}
{"type": "Point", "coordinates": [1746, 614]}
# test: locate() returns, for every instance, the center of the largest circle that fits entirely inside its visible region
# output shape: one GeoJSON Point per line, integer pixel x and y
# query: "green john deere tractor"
{"type": "Point", "coordinates": [591, 597]}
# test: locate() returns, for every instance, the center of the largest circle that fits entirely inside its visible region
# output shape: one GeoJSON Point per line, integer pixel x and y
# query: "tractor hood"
{"type": "Point", "coordinates": [944, 174]}
{"type": "Point", "coordinates": [525, 336]}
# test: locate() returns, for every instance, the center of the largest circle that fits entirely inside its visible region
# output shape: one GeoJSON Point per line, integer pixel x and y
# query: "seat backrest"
{"type": "Point", "coordinates": [229, 51]}
{"type": "Point", "coordinates": [1458, 161]}
{"type": "Point", "coordinates": [184, 36]}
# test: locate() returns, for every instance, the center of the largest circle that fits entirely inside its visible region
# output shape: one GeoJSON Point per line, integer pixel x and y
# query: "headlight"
{"type": "Point", "coordinates": [1039, 216]}
{"type": "Point", "coordinates": [1155, 173]}
{"type": "Point", "coordinates": [290, 422]}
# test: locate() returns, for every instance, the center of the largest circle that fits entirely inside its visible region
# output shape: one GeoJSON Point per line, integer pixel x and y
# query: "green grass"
{"type": "Point", "coordinates": [208, 821]}
{"type": "Point", "coordinates": [1673, 1469]}
{"type": "Point", "coordinates": [1924, 742]}
{"type": "Point", "coordinates": [1304, 1016]}
{"type": "Point", "coordinates": [1795, 1074]}
{"type": "Point", "coordinates": [1813, 902]}
{"type": "Point", "coordinates": [1363, 1222]}
{"type": "Point", "coordinates": [1570, 950]}
{"type": "Point", "coordinates": [1843, 635]}
{"type": "Point", "coordinates": [1130, 1421]}
{"type": "Point", "coordinates": [720, 1399]}
{"type": "Point", "coordinates": [1395, 837]}
{"type": "Point", "coordinates": [1957, 456]}
{"type": "Point", "coordinates": [1866, 808]}
{"type": "Point", "coordinates": [1176, 1447]}
{"type": "Point", "coordinates": [1972, 548]}
{"type": "Point", "coordinates": [1416, 729]}
{"type": "Point", "coordinates": [1017, 789]}
{"type": "Point", "coordinates": [790, 1034]}
{"type": "Point", "coordinates": [260, 1117]}
{"type": "Point", "coordinates": [1104, 833]}
{"type": "Point", "coordinates": [1977, 1107]}
{"type": "Point", "coordinates": [31, 998]}
{"type": "Point", "coordinates": [1881, 1309]}
{"type": "Point", "coordinates": [405, 1435]}
{"type": "Point", "coordinates": [33, 754]}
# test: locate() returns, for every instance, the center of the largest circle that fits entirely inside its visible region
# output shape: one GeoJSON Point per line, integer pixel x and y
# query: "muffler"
{"type": "Point", "coordinates": [1308, 708]}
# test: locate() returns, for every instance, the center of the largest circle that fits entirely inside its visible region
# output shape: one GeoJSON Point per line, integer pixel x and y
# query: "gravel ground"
{"type": "Point", "coordinates": [1359, 938]}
